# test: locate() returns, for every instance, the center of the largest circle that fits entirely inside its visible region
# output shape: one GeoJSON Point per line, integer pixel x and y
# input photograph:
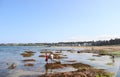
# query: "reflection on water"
{"type": "Point", "coordinates": [113, 59]}
{"type": "Point", "coordinates": [47, 68]}
{"type": "Point", "coordinates": [11, 54]}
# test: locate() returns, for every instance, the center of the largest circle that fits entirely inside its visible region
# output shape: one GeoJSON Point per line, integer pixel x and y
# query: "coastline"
{"type": "Point", "coordinates": [63, 54]}
{"type": "Point", "coordinates": [114, 47]}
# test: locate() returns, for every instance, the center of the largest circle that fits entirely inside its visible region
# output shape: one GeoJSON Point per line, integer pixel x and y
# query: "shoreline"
{"type": "Point", "coordinates": [84, 70]}
{"type": "Point", "coordinates": [111, 48]}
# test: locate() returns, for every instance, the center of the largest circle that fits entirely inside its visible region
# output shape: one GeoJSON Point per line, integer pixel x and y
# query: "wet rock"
{"type": "Point", "coordinates": [30, 52]}
{"type": "Point", "coordinates": [45, 51]}
{"type": "Point", "coordinates": [80, 65]}
{"type": "Point", "coordinates": [70, 60]}
{"type": "Point", "coordinates": [27, 53]}
{"type": "Point", "coordinates": [92, 72]}
{"type": "Point", "coordinates": [41, 55]}
{"type": "Point", "coordinates": [29, 64]}
{"type": "Point", "coordinates": [29, 60]}
{"type": "Point", "coordinates": [54, 66]}
{"type": "Point", "coordinates": [84, 72]}
{"type": "Point", "coordinates": [78, 52]}
{"type": "Point", "coordinates": [12, 66]}
{"type": "Point", "coordinates": [64, 55]}
{"type": "Point", "coordinates": [58, 56]}
{"type": "Point", "coordinates": [71, 51]}
{"type": "Point", "coordinates": [58, 62]}
{"type": "Point", "coordinates": [60, 51]}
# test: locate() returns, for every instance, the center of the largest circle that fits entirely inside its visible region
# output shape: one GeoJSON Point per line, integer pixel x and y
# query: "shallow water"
{"type": "Point", "coordinates": [11, 54]}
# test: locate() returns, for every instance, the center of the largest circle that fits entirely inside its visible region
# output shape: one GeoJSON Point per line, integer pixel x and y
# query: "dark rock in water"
{"type": "Point", "coordinates": [54, 66]}
{"type": "Point", "coordinates": [29, 60]}
{"type": "Point", "coordinates": [29, 64]}
{"type": "Point", "coordinates": [12, 66]}
{"type": "Point", "coordinates": [59, 51]}
{"type": "Point", "coordinates": [58, 62]}
{"type": "Point", "coordinates": [41, 55]}
{"type": "Point", "coordinates": [30, 52]}
{"type": "Point", "coordinates": [71, 51]}
{"type": "Point", "coordinates": [70, 60]}
{"type": "Point", "coordinates": [78, 51]}
{"type": "Point", "coordinates": [58, 56]}
{"type": "Point", "coordinates": [7, 63]}
{"type": "Point", "coordinates": [27, 53]}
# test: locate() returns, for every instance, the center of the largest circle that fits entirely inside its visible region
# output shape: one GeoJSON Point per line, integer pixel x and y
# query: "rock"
{"type": "Point", "coordinates": [60, 51]}
{"type": "Point", "coordinates": [28, 60]}
{"type": "Point", "coordinates": [58, 56]}
{"type": "Point", "coordinates": [78, 52]}
{"type": "Point", "coordinates": [45, 51]}
{"type": "Point", "coordinates": [30, 52]}
{"type": "Point", "coordinates": [27, 54]}
{"type": "Point", "coordinates": [70, 60]}
{"type": "Point", "coordinates": [41, 55]}
{"type": "Point", "coordinates": [12, 66]}
{"type": "Point", "coordinates": [29, 64]}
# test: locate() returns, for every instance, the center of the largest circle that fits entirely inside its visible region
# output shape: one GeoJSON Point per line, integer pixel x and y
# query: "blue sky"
{"type": "Point", "coordinates": [23, 21]}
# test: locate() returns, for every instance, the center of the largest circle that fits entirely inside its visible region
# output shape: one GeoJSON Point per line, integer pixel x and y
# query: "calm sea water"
{"type": "Point", "coordinates": [11, 54]}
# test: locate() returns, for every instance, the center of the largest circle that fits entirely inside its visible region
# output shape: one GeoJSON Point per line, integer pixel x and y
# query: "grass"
{"type": "Point", "coordinates": [116, 53]}
{"type": "Point", "coordinates": [105, 52]}
{"type": "Point", "coordinates": [111, 64]}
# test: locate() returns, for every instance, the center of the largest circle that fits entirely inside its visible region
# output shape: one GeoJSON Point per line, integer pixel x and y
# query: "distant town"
{"type": "Point", "coordinates": [115, 41]}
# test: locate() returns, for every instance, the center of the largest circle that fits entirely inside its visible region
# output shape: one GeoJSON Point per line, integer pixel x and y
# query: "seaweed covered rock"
{"type": "Point", "coordinates": [83, 70]}
{"type": "Point", "coordinates": [29, 64]}
{"type": "Point", "coordinates": [29, 60]}
{"type": "Point", "coordinates": [27, 53]}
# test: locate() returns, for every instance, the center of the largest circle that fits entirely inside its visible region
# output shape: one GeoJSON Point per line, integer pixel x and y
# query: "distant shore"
{"type": "Point", "coordinates": [113, 50]}
{"type": "Point", "coordinates": [111, 47]}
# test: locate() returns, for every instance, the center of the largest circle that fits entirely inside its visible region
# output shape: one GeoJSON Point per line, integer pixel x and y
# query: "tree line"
{"type": "Point", "coordinates": [115, 41]}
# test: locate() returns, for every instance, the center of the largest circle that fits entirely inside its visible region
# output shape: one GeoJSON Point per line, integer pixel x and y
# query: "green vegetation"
{"type": "Point", "coordinates": [112, 53]}
{"type": "Point", "coordinates": [102, 75]}
{"type": "Point", "coordinates": [111, 64]}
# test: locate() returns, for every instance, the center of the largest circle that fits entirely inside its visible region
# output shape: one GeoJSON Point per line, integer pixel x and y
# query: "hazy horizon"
{"type": "Point", "coordinates": [28, 21]}
{"type": "Point", "coordinates": [69, 40]}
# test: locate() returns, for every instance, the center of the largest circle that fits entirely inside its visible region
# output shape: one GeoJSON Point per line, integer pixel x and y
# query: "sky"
{"type": "Point", "coordinates": [31, 21]}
